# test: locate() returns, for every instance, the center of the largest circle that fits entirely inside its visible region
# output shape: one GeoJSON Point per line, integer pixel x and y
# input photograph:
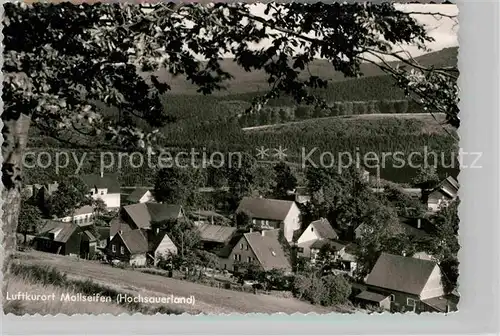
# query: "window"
{"type": "Point", "coordinates": [300, 249]}
{"type": "Point", "coordinates": [122, 250]}
{"type": "Point", "coordinates": [312, 229]}
{"type": "Point", "coordinates": [241, 246]}
{"type": "Point", "coordinates": [393, 297]}
{"type": "Point", "coordinates": [246, 247]}
{"type": "Point", "coordinates": [410, 302]}
{"type": "Point", "coordinates": [254, 221]}
{"type": "Point", "coordinates": [113, 248]}
{"type": "Point", "coordinates": [225, 266]}
{"type": "Point", "coordinates": [91, 192]}
{"type": "Point", "coordinates": [250, 259]}
{"type": "Point", "coordinates": [235, 257]}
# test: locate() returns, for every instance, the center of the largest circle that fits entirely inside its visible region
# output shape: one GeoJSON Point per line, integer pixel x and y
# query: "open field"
{"type": "Point", "coordinates": [207, 299]}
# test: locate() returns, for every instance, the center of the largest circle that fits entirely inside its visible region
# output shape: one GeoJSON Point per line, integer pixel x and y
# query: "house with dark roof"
{"type": "Point", "coordinates": [215, 237]}
{"type": "Point", "coordinates": [140, 195]}
{"type": "Point", "coordinates": [130, 247]}
{"type": "Point", "coordinates": [262, 249]}
{"type": "Point", "coordinates": [143, 215]}
{"type": "Point", "coordinates": [411, 284]}
{"type": "Point", "coordinates": [444, 193]}
{"type": "Point", "coordinates": [138, 247]}
{"type": "Point", "coordinates": [272, 214]}
{"type": "Point", "coordinates": [318, 232]}
{"type": "Point", "coordinates": [105, 187]}
{"type": "Point", "coordinates": [66, 239]}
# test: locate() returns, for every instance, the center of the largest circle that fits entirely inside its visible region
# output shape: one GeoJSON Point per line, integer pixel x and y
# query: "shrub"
{"type": "Point", "coordinates": [338, 289]}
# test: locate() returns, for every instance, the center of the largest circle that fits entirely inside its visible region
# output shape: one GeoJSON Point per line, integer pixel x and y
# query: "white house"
{"type": "Point", "coordinates": [316, 231]}
{"type": "Point", "coordinates": [105, 187]}
{"type": "Point", "coordinates": [443, 194]}
{"type": "Point", "coordinates": [81, 216]}
{"type": "Point", "coordinates": [272, 214]}
{"type": "Point", "coordinates": [164, 248]}
{"type": "Point", "coordinates": [140, 195]}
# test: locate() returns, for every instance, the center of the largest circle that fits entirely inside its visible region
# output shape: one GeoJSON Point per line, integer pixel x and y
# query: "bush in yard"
{"type": "Point", "coordinates": [338, 289]}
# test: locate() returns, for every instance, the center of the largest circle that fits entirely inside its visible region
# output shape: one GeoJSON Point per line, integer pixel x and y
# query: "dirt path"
{"type": "Point", "coordinates": [208, 299]}
{"type": "Point", "coordinates": [358, 116]}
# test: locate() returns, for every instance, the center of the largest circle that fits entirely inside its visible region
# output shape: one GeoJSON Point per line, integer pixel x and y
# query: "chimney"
{"type": "Point", "coordinates": [419, 223]}
{"type": "Point", "coordinates": [251, 230]}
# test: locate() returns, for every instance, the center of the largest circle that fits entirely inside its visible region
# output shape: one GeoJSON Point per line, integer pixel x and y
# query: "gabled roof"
{"type": "Point", "coordinates": [136, 195]}
{"type": "Point", "coordinates": [134, 241]}
{"type": "Point", "coordinates": [268, 251]}
{"type": "Point", "coordinates": [372, 297]}
{"type": "Point", "coordinates": [108, 181]}
{"type": "Point", "coordinates": [117, 224]}
{"type": "Point", "coordinates": [323, 229]}
{"type": "Point", "coordinates": [402, 274]}
{"type": "Point", "coordinates": [62, 231]}
{"type": "Point", "coordinates": [265, 208]}
{"type": "Point", "coordinates": [89, 235]}
{"type": "Point", "coordinates": [216, 233]}
{"type": "Point", "coordinates": [318, 244]}
{"type": "Point", "coordinates": [142, 214]}
{"type": "Point", "coordinates": [163, 237]}
{"type": "Point", "coordinates": [228, 248]}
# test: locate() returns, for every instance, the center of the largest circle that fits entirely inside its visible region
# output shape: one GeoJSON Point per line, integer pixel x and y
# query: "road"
{"type": "Point", "coordinates": [398, 115]}
{"type": "Point", "coordinates": [207, 299]}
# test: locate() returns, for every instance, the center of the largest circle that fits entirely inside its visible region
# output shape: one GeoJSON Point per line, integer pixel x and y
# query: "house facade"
{"type": "Point", "coordinates": [443, 194]}
{"type": "Point", "coordinates": [408, 282]}
{"type": "Point", "coordinates": [163, 249]}
{"type": "Point", "coordinates": [66, 239]}
{"type": "Point", "coordinates": [272, 214]}
{"type": "Point", "coordinates": [140, 195]}
{"type": "Point", "coordinates": [81, 216]}
{"type": "Point", "coordinates": [259, 248]}
{"type": "Point", "coordinates": [129, 247]}
{"type": "Point", "coordinates": [318, 230]}
{"type": "Point", "coordinates": [104, 187]}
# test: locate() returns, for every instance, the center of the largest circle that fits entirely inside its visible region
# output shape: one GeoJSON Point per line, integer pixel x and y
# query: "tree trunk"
{"type": "Point", "coordinates": [15, 134]}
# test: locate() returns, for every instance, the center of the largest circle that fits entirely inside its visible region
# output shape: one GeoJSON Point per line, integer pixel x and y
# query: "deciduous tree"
{"type": "Point", "coordinates": [68, 56]}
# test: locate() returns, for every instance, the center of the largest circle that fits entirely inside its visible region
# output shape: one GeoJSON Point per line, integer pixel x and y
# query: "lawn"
{"type": "Point", "coordinates": [207, 299]}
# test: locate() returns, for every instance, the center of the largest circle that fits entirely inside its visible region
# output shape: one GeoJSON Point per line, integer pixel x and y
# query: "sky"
{"type": "Point", "coordinates": [444, 30]}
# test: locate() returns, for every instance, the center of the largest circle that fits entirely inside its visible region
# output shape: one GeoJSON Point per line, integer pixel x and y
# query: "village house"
{"type": "Point", "coordinates": [215, 237]}
{"type": "Point", "coordinates": [129, 247]}
{"type": "Point", "coordinates": [143, 215]}
{"type": "Point", "coordinates": [272, 214]}
{"type": "Point", "coordinates": [260, 248]}
{"type": "Point", "coordinates": [140, 195]}
{"type": "Point", "coordinates": [81, 216]}
{"type": "Point", "coordinates": [65, 239]}
{"type": "Point", "coordinates": [318, 230]}
{"type": "Point", "coordinates": [140, 247]}
{"type": "Point", "coordinates": [444, 193]}
{"type": "Point", "coordinates": [105, 187]}
{"type": "Point", "coordinates": [410, 284]}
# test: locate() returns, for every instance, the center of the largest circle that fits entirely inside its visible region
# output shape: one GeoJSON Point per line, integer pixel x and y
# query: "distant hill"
{"type": "Point", "coordinates": [256, 81]}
